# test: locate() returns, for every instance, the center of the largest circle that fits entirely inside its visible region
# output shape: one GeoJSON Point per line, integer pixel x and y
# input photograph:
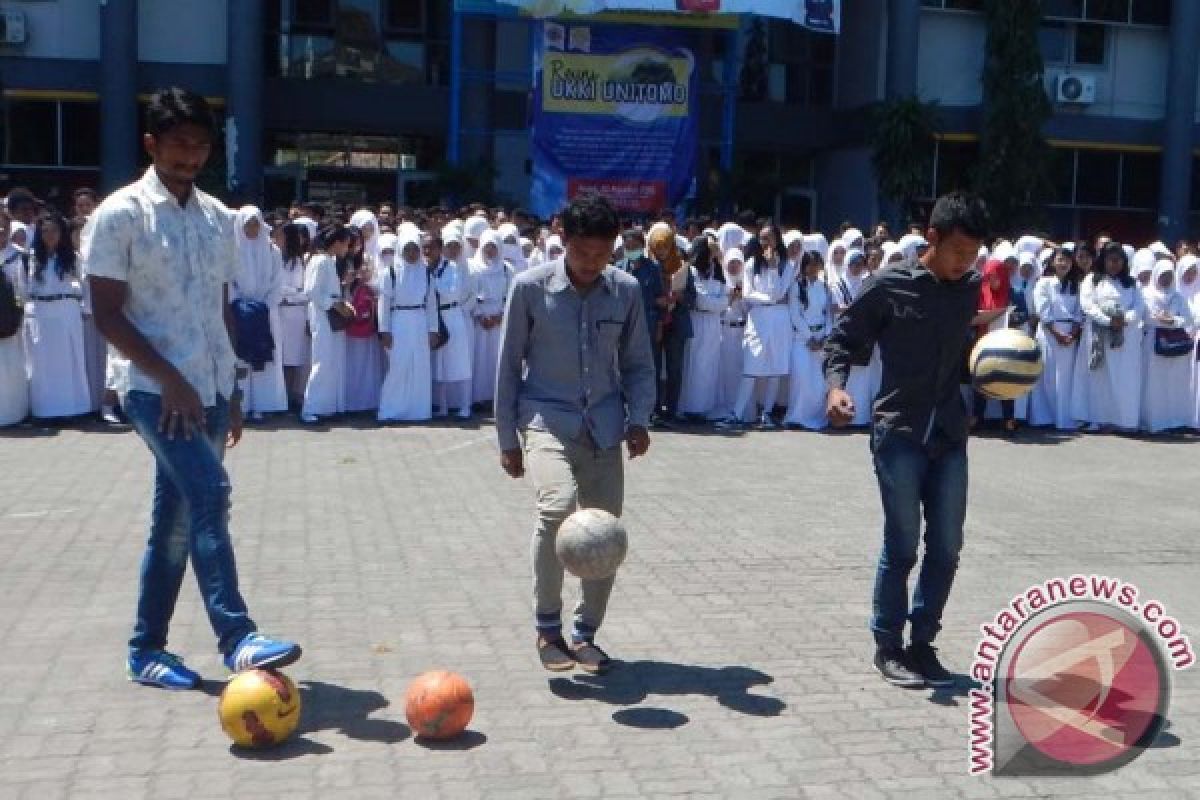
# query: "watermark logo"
{"type": "Point", "coordinates": [1076, 677]}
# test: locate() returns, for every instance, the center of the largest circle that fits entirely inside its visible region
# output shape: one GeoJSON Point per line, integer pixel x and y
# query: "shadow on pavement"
{"type": "Point", "coordinates": [467, 740]}
{"type": "Point", "coordinates": [630, 683]}
{"type": "Point", "coordinates": [650, 718]}
{"type": "Point", "coordinates": [327, 707]}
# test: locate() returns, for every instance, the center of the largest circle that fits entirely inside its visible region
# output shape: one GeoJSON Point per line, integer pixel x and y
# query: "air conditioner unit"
{"type": "Point", "coordinates": [1077, 90]}
{"type": "Point", "coordinates": [12, 27]}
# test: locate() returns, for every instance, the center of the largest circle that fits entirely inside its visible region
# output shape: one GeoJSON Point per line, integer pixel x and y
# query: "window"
{"type": "Point", "coordinates": [804, 61]}
{"type": "Point", "coordinates": [1151, 12]}
{"type": "Point", "coordinates": [406, 16]}
{"type": "Point", "coordinates": [375, 41]}
{"type": "Point", "coordinates": [1063, 177]}
{"type": "Point", "coordinates": [1097, 178]}
{"type": "Point", "coordinates": [31, 133]}
{"type": "Point", "coordinates": [955, 161]}
{"type": "Point", "coordinates": [1080, 43]}
{"type": "Point", "coordinates": [312, 13]}
{"type": "Point", "coordinates": [954, 5]}
{"type": "Point", "coordinates": [1090, 41]}
{"type": "Point", "coordinates": [1110, 12]}
{"type": "Point", "coordinates": [80, 147]}
{"type": "Point", "coordinates": [1140, 179]}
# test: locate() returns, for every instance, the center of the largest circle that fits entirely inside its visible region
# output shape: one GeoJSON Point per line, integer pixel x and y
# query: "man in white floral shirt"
{"type": "Point", "coordinates": [159, 259]}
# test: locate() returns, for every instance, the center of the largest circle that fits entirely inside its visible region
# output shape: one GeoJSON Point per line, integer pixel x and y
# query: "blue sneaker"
{"type": "Point", "coordinates": [160, 668]}
{"type": "Point", "coordinates": [256, 651]}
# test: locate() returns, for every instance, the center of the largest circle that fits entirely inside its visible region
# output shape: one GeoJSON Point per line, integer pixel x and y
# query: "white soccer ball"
{"type": "Point", "coordinates": [591, 544]}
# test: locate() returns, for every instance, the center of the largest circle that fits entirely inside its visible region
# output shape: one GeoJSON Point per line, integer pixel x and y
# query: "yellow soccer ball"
{"type": "Point", "coordinates": [1005, 364]}
{"type": "Point", "coordinates": [259, 708]}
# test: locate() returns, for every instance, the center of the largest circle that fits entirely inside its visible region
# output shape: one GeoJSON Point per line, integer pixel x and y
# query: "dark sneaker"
{"type": "Point", "coordinates": [591, 658]}
{"type": "Point", "coordinates": [893, 664]}
{"type": "Point", "coordinates": [554, 654]}
{"type": "Point", "coordinates": [923, 658]}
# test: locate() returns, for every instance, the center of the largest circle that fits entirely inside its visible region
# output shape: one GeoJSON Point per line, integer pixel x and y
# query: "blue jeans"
{"type": "Point", "coordinates": [190, 516]}
{"type": "Point", "coordinates": [912, 479]}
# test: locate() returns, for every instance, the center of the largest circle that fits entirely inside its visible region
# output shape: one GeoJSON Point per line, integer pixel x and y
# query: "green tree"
{"type": "Point", "coordinates": [902, 144]}
{"type": "Point", "coordinates": [1013, 173]}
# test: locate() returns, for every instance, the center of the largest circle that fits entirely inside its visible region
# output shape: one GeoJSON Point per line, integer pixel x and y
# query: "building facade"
{"type": "Point", "coordinates": [372, 100]}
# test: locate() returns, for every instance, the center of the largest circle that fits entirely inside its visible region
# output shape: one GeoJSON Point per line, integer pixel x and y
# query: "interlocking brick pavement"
{"type": "Point", "coordinates": [741, 613]}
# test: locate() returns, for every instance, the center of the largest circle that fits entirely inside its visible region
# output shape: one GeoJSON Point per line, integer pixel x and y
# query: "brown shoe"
{"type": "Point", "coordinates": [554, 654]}
{"type": "Point", "coordinates": [591, 658]}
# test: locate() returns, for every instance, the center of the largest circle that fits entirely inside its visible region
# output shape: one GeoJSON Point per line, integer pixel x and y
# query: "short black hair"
{"type": "Point", "coordinates": [85, 192]}
{"type": "Point", "coordinates": [591, 216]}
{"type": "Point", "coordinates": [20, 197]}
{"type": "Point", "coordinates": [960, 211]}
{"type": "Point", "coordinates": [170, 108]}
{"type": "Point", "coordinates": [331, 234]}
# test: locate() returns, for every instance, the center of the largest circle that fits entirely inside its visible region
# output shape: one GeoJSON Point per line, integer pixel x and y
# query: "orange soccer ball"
{"type": "Point", "coordinates": [439, 704]}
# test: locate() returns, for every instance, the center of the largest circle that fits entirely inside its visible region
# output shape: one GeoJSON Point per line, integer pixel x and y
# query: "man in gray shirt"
{"type": "Point", "coordinates": [576, 378]}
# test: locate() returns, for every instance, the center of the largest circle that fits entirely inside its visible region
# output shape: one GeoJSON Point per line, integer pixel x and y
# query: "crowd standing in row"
{"type": "Point", "coordinates": [399, 313]}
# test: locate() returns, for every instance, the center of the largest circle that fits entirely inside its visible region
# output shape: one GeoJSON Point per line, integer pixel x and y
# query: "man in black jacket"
{"type": "Point", "coordinates": [920, 314]}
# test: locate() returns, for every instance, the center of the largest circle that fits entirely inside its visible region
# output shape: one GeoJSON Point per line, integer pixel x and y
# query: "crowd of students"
{"type": "Point", "coordinates": [398, 313]}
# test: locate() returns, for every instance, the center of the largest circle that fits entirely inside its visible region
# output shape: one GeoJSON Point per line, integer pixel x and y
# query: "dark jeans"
{"type": "Point", "coordinates": [674, 342]}
{"type": "Point", "coordinates": [190, 516]}
{"type": "Point", "coordinates": [911, 480]}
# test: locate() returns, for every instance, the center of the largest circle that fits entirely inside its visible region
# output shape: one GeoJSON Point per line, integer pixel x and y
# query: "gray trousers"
{"type": "Point", "coordinates": [568, 475]}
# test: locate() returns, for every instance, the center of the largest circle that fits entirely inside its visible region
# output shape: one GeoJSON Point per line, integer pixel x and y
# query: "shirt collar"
{"type": "Point", "coordinates": [158, 193]}
{"type": "Point", "coordinates": [559, 281]}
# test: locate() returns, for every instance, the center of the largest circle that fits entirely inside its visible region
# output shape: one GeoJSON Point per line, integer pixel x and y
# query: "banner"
{"type": "Point", "coordinates": [614, 113]}
{"type": "Point", "coordinates": [819, 15]}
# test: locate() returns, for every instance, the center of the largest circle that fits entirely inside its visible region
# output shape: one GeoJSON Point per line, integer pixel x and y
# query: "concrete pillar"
{"type": "Point", "coordinates": [119, 145]}
{"type": "Point", "coordinates": [903, 37]}
{"type": "Point", "coordinates": [1175, 196]}
{"type": "Point", "coordinates": [244, 121]}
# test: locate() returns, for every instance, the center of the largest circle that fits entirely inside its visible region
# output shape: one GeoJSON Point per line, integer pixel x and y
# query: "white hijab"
{"type": "Point", "coordinates": [474, 228]}
{"type": "Point", "coordinates": [554, 243]}
{"type": "Point", "coordinates": [1189, 290]}
{"type": "Point", "coordinates": [480, 263]}
{"type": "Point", "coordinates": [360, 220]}
{"type": "Point", "coordinates": [256, 257]}
{"type": "Point", "coordinates": [1158, 300]}
{"type": "Point", "coordinates": [454, 233]}
{"type": "Point", "coordinates": [731, 236]}
{"type": "Point", "coordinates": [512, 253]}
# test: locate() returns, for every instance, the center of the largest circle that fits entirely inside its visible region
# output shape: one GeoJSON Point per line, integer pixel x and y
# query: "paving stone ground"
{"type": "Point", "coordinates": [740, 616]}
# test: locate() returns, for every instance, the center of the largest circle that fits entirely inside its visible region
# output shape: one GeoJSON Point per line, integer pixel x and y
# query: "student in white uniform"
{"type": "Point", "coordinates": [702, 352]}
{"type": "Point", "coordinates": [767, 346]}
{"type": "Point", "coordinates": [325, 393]}
{"type": "Point", "coordinates": [1107, 390]}
{"type": "Point", "coordinates": [14, 377]}
{"type": "Point", "coordinates": [811, 312]}
{"type": "Point", "coordinates": [452, 361]}
{"type": "Point", "coordinates": [1143, 268]}
{"type": "Point", "coordinates": [408, 318]}
{"type": "Point", "coordinates": [473, 230]}
{"type": "Point", "coordinates": [733, 327]}
{"type": "Point", "coordinates": [260, 278]}
{"type": "Point", "coordinates": [1169, 352]}
{"type": "Point", "coordinates": [510, 248]}
{"type": "Point", "coordinates": [1188, 270]}
{"type": "Point", "coordinates": [491, 277]}
{"type": "Point", "coordinates": [1055, 302]}
{"type": "Point", "coordinates": [294, 344]}
{"type": "Point", "coordinates": [58, 381]}
{"type": "Point", "coordinates": [864, 378]}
